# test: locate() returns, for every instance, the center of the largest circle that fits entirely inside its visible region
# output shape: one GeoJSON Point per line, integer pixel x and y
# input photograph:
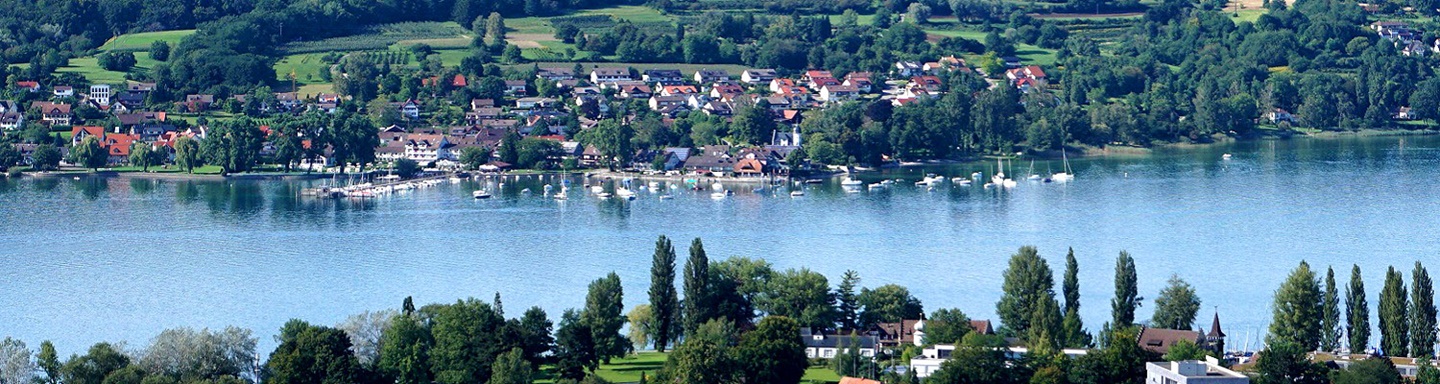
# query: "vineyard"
{"type": "Point", "coordinates": [379, 37]}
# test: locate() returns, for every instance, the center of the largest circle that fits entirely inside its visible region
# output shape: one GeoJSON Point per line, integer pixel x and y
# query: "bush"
{"type": "Point", "coordinates": [117, 61]}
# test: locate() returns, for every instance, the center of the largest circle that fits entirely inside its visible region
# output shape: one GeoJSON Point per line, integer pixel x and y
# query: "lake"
{"type": "Point", "coordinates": [94, 259]}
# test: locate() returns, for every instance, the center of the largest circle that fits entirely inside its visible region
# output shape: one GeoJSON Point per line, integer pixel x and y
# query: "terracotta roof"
{"type": "Point", "coordinates": [857, 380]}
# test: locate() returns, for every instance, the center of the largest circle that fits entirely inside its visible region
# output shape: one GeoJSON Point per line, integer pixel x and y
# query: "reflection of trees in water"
{"type": "Point", "coordinates": [143, 186]}
{"type": "Point", "coordinates": [46, 184]}
{"type": "Point", "coordinates": [187, 192]}
{"type": "Point", "coordinates": [617, 208]}
{"type": "Point", "coordinates": [235, 199]}
{"type": "Point", "coordinates": [8, 184]}
{"type": "Point", "coordinates": [91, 187]}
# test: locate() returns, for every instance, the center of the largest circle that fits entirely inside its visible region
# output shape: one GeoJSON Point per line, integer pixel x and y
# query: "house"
{"type": "Point", "coordinates": [118, 146]}
{"type": "Point", "coordinates": [634, 90]}
{"type": "Point", "coordinates": [907, 68]}
{"type": "Point", "coordinates": [1207, 371]}
{"type": "Point", "coordinates": [717, 108]}
{"type": "Point", "coordinates": [1159, 340]}
{"type": "Point", "coordinates": [660, 102]}
{"type": "Point", "coordinates": [139, 86]}
{"type": "Point", "coordinates": [930, 84]}
{"type": "Point", "coordinates": [410, 109]}
{"type": "Point", "coordinates": [533, 102]}
{"type": "Point", "coordinates": [78, 133]}
{"type": "Point", "coordinates": [28, 86]}
{"type": "Point", "coordinates": [859, 80]}
{"type": "Point", "coordinates": [11, 116]}
{"type": "Point", "coordinates": [707, 76]}
{"type": "Point", "coordinates": [678, 90]}
{"type": "Point", "coordinates": [905, 332]}
{"type": "Point", "coordinates": [711, 159]}
{"type": "Point", "coordinates": [555, 73]}
{"type": "Point", "coordinates": [459, 81]}
{"type": "Point", "coordinates": [781, 83]}
{"type": "Point", "coordinates": [131, 99]}
{"type": "Point", "coordinates": [726, 91]}
{"type": "Point", "coordinates": [819, 83]}
{"type": "Point", "coordinates": [63, 91]}
{"type": "Point", "coordinates": [810, 75]}
{"type": "Point", "coordinates": [53, 113]}
{"type": "Point", "coordinates": [820, 345]}
{"type": "Point", "coordinates": [982, 326]}
{"type": "Point", "coordinates": [662, 76]}
{"type": "Point", "coordinates": [933, 67]}
{"type": "Point", "coordinates": [610, 75]}
{"type": "Point", "coordinates": [1010, 61]}
{"type": "Point", "coordinates": [1403, 113]}
{"type": "Point", "coordinates": [838, 93]}
{"type": "Point", "coordinates": [857, 380]}
{"type": "Point", "coordinates": [1277, 116]}
{"type": "Point", "coordinates": [757, 76]}
{"type": "Point", "coordinates": [198, 103]}
{"type": "Point", "coordinates": [287, 100]}
{"type": "Point", "coordinates": [515, 87]}
{"type": "Point", "coordinates": [476, 104]}
{"type": "Point", "coordinates": [101, 93]}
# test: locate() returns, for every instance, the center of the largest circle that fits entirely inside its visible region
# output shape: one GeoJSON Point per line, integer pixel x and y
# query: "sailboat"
{"type": "Point", "coordinates": [1065, 175]}
{"type": "Point", "coordinates": [1033, 176]}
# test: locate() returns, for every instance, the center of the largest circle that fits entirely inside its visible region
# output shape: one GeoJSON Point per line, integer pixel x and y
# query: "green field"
{"type": "Point", "coordinates": [141, 41]}
{"type": "Point", "coordinates": [379, 37]}
{"type": "Point", "coordinates": [90, 68]}
{"type": "Point", "coordinates": [1027, 53]}
{"type": "Point", "coordinates": [628, 370]}
{"type": "Point", "coordinates": [305, 66]}
{"type": "Point", "coordinates": [1249, 15]}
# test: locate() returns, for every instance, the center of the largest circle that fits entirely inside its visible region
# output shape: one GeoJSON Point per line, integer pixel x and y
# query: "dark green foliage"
{"type": "Point", "coordinates": [1176, 306]}
{"type": "Point", "coordinates": [772, 352]}
{"type": "Point", "coordinates": [574, 347]}
{"type": "Point", "coordinates": [1422, 313]}
{"type": "Point", "coordinates": [1297, 310]}
{"type": "Point", "coordinates": [117, 61]}
{"type": "Point", "coordinates": [800, 295]}
{"type": "Point", "coordinates": [1072, 328]}
{"type": "Point", "coordinates": [979, 359]}
{"type": "Point", "coordinates": [1122, 307]}
{"type": "Point", "coordinates": [1368, 371]}
{"type": "Point", "coordinates": [91, 368]}
{"type": "Point", "coordinates": [1330, 328]}
{"type": "Point", "coordinates": [946, 326]}
{"type": "Point", "coordinates": [1357, 312]}
{"type": "Point", "coordinates": [888, 303]}
{"type": "Point", "coordinates": [1285, 363]}
{"type": "Point", "coordinates": [160, 50]}
{"type": "Point", "coordinates": [603, 316]}
{"type": "Point", "coordinates": [1394, 314]}
{"type": "Point", "coordinates": [1027, 283]}
{"type": "Point", "coordinates": [312, 354]}
{"type": "Point", "coordinates": [404, 351]}
{"type": "Point", "coordinates": [697, 304]}
{"type": "Point", "coordinates": [664, 300]}
{"type": "Point", "coordinates": [468, 337]}
{"type": "Point", "coordinates": [846, 302]}
{"type": "Point", "coordinates": [706, 356]}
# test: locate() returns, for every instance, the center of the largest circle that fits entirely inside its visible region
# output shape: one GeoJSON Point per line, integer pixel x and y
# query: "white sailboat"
{"type": "Point", "coordinates": [1065, 175]}
{"type": "Point", "coordinates": [849, 182]}
{"type": "Point", "coordinates": [1033, 176]}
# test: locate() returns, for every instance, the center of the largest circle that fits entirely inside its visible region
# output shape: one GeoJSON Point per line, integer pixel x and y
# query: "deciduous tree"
{"type": "Point", "coordinates": [1422, 313]}
{"type": "Point", "coordinates": [1357, 313]}
{"type": "Point", "coordinates": [1297, 310]}
{"type": "Point", "coordinates": [1122, 307]}
{"type": "Point", "coordinates": [1394, 311]}
{"type": "Point", "coordinates": [664, 300]}
{"type": "Point", "coordinates": [1176, 306]}
{"type": "Point", "coordinates": [1028, 280]}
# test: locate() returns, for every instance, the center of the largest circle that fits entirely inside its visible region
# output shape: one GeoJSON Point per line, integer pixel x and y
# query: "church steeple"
{"type": "Point", "coordinates": [1215, 332]}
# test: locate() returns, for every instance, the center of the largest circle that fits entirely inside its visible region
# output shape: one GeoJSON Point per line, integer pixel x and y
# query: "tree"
{"type": "Point", "coordinates": [642, 320]}
{"type": "Point", "coordinates": [1284, 362]}
{"type": "Point", "coordinates": [1394, 310]}
{"type": "Point", "coordinates": [1177, 305]}
{"type": "Point", "coordinates": [511, 368]}
{"type": "Point", "coordinates": [91, 368]}
{"type": "Point", "coordinates": [918, 13]}
{"type": "Point", "coordinates": [664, 300]}
{"type": "Point", "coordinates": [9, 156]}
{"type": "Point", "coordinates": [406, 168]}
{"type": "Point", "coordinates": [48, 362]}
{"type": "Point", "coordinates": [1357, 312]}
{"type": "Point", "coordinates": [889, 303]}
{"type": "Point", "coordinates": [979, 359]}
{"type": "Point", "coordinates": [366, 330]}
{"type": "Point", "coordinates": [1297, 310]}
{"type": "Point", "coordinates": [535, 335]}
{"type": "Point", "coordinates": [510, 147]}
{"type": "Point", "coordinates": [468, 337]}
{"type": "Point", "coordinates": [800, 295]}
{"type": "Point", "coordinates": [847, 303]}
{"type": "Point", "coordinates": [1122, 307]}
{"type": "Point", "coordinates": [404, 351]}
{"type": "Point", "coordinates": [312, 354]}
{"type": "Point", "coordinates": [1071, 326]}
{"type": "Point", "coordinates": [772, 352]}
{"type": "Point", "coordinates": [1422, 313]}
{"type": "Point", "coordinates": [46, 157]}
{"type": "Point", "coordinates": [1185, 350]}
{"type": "Point", "coordinates": [15, 364]}
{"type": "Point", "coordinates": [187, 354]}
{"type": "Point", "coordinates": [89, 153]}
{"type": "Point", "coordinates": [187, 154]}
{"type": "Point", "coordinates": [697, 290]}
{"type": "Point", "coordinates": [946, 326]}
{"type": "Point", "coordinates": [1027, 282]}
{"type": "Point", "coordinates": [1372, 370]}
{"type": "Point", "coordinates": [752, 124]}
{"type": "Point", "coordinates": [574, 347]}
{"type": "Point", "coordinates": [1330, 328]}
{"type": "Point", "coordinates": [233, 145]}
{"type": "Point", "coordinates": [116, 61]}
{"type": "Point", "coordinates": [706, 356]}
{"type": "Point", "coordinates": [474, 157]}
{"type": "Point", "coordinates": [142, 156]}
{"type": "Point", "coordinates": [1045, 329]}
{"type": "Point", "coordinates": [603, 316]}
{"type": "Point", "coordinates": [613, 140]}
{"type": "Point", "coordinates": [495, 28]}
{"type": "Point", "coordinates": [160, 50]}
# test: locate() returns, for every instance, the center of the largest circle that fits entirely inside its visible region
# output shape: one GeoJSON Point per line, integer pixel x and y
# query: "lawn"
{"type": "Point", "coordinates": [141, 41]}
{"type": "Point", "coordinates": [1249, 15]}
{"type": "Point", "coordinates": [305, 66]}
{"type": "Point", "coordinates": [90, 68]}
{"type": "Point", "coordinates": [1027, 53]}
{"type": "Point", "coordinates": [628, 370]}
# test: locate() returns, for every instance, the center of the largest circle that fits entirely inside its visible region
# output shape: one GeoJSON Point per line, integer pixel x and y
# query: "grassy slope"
{"type": "Point", "coordinates": [90, 68]}
{"type": "Point", "coordinates": [628, 370]}
{"type": "Point", "coordinates": [142, 41]}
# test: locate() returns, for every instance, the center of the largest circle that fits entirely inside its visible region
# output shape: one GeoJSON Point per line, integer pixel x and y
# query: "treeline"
{"type": "Point", "coordinates": [40, 32]}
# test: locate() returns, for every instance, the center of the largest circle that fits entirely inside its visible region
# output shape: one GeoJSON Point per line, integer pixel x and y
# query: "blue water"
{"type": "Point", "coordinates": [120, 260]}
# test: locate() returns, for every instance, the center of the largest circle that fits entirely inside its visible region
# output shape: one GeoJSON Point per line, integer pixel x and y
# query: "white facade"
{"type": "Point", "coordinates": [1192, 372]}
{"type": "Point", "coordinates": [100, 93]}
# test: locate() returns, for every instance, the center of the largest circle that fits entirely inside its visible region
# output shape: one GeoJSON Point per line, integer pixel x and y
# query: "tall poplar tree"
{"type": "Point", "coordinates": [1297, 310]}
{"type": "Point", "coordinates": [1357, 312]}
{"type": "Point", "coordinates": [697, 290]}
{"type": "Point", "coordinates": [1330, 331]}
{"type": "Point", "coordinates": [1122, 307]}
{"type": "Point", "coordinates": [1394, 310]}
{"type": "Point", "coordinates": [1422, 313]}
{"type": "Point", "coordinates": [1072, 326]}
{"type": "Point", "coordinates": [664, 301]}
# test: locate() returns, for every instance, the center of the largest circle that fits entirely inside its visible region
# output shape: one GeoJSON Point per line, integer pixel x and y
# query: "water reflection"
{"type": "Point", "coordinates": [92, 187]}
{"type": "Point", "coordinates": [143, 186]}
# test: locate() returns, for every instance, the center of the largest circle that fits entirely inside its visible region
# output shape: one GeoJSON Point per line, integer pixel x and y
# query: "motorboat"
{"type": "Point", "coordinates": [603, 195]}
{"type": "Point", "coordinates": [717, 186]}
{"type": "Point", "coordinates": [718, 195]}
{"type": "Point", "coordinates": [480, 195]}
{"type": "Point", "coordinates": [797, 193]}
{"type": "Point", "coordinates": [876, 186]}
{"type": "Point", "coordinates": [1225, 156]}
{"type": "Point", "coordinates": [849, 182]}
{"type": "Point", "coordinates": [666, 197]}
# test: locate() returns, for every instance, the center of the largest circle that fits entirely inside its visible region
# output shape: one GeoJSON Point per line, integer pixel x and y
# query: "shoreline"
{"type": "Point", "coordinates": [175, 176]}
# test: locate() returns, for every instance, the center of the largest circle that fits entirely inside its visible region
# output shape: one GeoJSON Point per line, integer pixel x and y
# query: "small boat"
{"type": "Point", "coordinates": [1009, 183]}
{"type": "Point", "coordinates": [797, 193]}
{"type": "Point", "coordinates": [1033, 176]}
{"type": "Point", "coordinates": [597, 189]}
{"type": "Point", "coordinates": [963, 182]}
{"type": "Point", "coordinates": [1065, 175]}
{"type": "Point", "coordinates": [718, 195]}
{"type": "Point", "coordinates": [603, 195]}
{"type": "Point", "coordinates": [666, 197]}
{"type": "Point", "coordinates": [1225, 156]}
{"type": "Point", "coordinates": [480, 195]}
{"type": "Point", "coordinates": [813, 181]}
{"type": "Point", "coordinates": [847, 181]}
{"type": "Point", "coordinates": [525, 191]}
{"type": "Point", "coordinates": [977, 175]}
{"type": "Point", "coordinates": [624, 193]}
{"type": "Point", "coordinates": [876, 186]}
{"type": "Point", "coordinates": [716, 186]}
{"type": "Point", "coordinates": [887, 182]}
{"type": "Point", "coordinates": [454, 179]}
{"type": "Point", "coordinates": [989, 185]}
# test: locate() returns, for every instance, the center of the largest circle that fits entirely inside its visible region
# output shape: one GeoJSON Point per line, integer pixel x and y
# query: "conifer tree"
{"type": "Point", "coordinates": [697, 290]}
{"type": "Point", "coordinates": [1072, 326]}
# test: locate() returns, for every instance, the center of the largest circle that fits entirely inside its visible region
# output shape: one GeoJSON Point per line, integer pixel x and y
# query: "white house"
{"type": "Point", "coordinates": [11, 117]}
{"type": "Point", "coordinates": [602, 75]}
{"type": "Point", "coordinates": [101, 93]}
{"type": "Point", "coordinates": [757, 76]}
{"type": "Point", "coordinates": [825, 346]}
{"type": "Point", "coordinates": [838, 93]}
{"type": "Point", "coordinates": [907, 68]}
{"type": "Point", "coordinates": [62, 91]}
{"type": "Point", "coordinates": [1192, 372]}
{"type": "Point", "coordinates": [707, 76]}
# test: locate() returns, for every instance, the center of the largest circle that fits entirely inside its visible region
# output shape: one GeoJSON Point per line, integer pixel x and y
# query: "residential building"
{"type": "Point", "coordinates": [1278, 115]}
{"type": "Point", "coordinates": [53, 113]}
{"type": "Point", "coordinates": [660, 102]}
{"type": "Point", "coordinates": [757, 76]}
{"type": "Point", "coordinates": [838, 93]}
{"type": "Point", "coordinates": [11, 116]}
{"type": "Point", "coordinates": [533, 102]}
{"type": "Point", "coordinates": [726, 91]}
{"type": "Point", "coordinates": [930, 84]}
{"type": "Point", "coordinates": [707, 76]}
{"type": "Point", "coordinates": [781, 83]}
{"type": "Point", "coordinates": [1159, 340]}
{"type": "Point", "coordinates": [481, 103]}
{"type": "Point", "coordinates": [678, 90]}
{"type": "Point", "coordinates": [198, 103]}
{"type": "Point", "coordinates": [857, 380]}
{"type": "Point", "coordinates": [101, 93]}
{"type": "Point", "coordinates": [907, 68]}
{"type": "Point", "coordinates": [662, 76]}
{"type": "Point", "coordinates": [63, 91]}
{"type": "Point", "coordinates": [610, 75]}
{"type": "Point", "coordinates": [634, 90]}
{"type": "Point", "coordinates": [515, 87]}
{"type": "Point", "coordinates": [410, 109]}
{"type": "Point", "coordinates": [555, 73]}
{"type": "Point", "coordinates": [28, 86]}
{"type": "Point", "coordinates": [819, 344]}
{"type": "Point", "coordinates": [1208, 371]}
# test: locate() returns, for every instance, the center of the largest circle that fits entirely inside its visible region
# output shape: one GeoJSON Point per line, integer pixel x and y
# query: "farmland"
{"type": "Point", "coordinates": [134, 42]}
{"type": "Point", "coordinates": [89, 67]}
{"type": "Point", "coordinates": [379, 37]}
